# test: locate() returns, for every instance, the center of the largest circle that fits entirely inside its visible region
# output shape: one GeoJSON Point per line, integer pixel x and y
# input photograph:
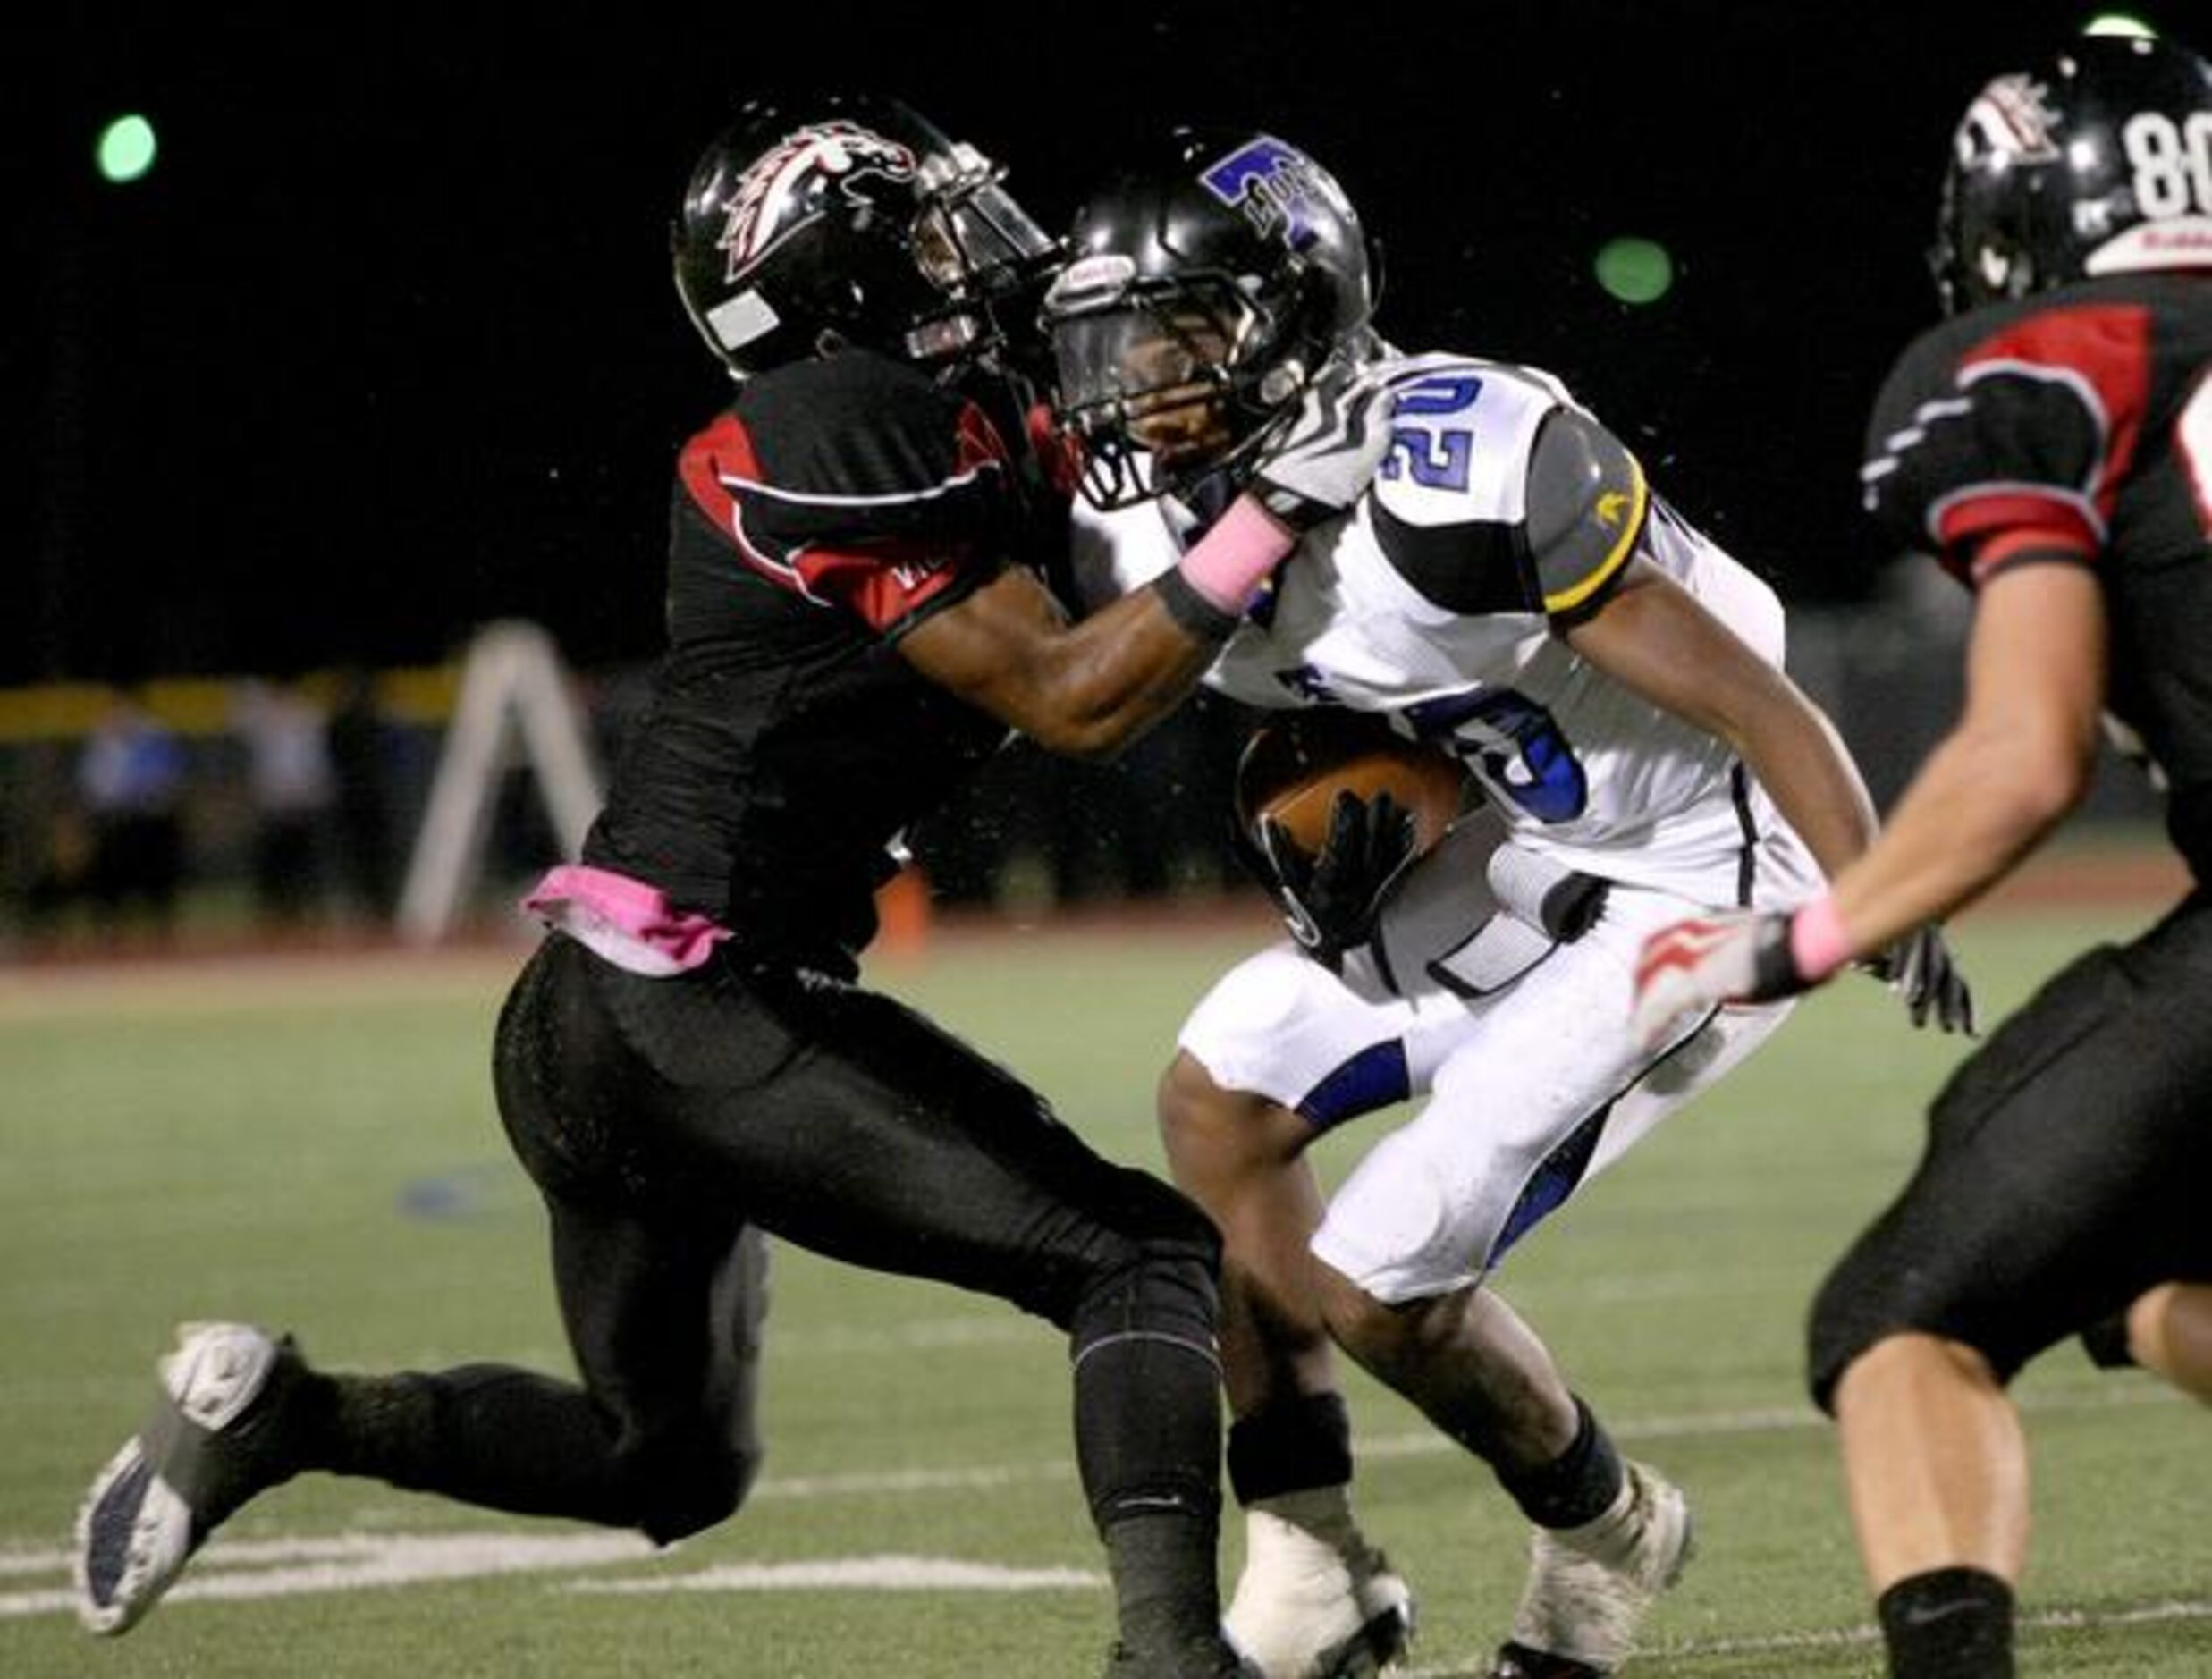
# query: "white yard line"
{"type": "Point", "coordinates": [861, 1573]}
{"type": "Point", "coordinates": [244, 1568]}
{"type": "Point", "coordinates": [1853, 1637]}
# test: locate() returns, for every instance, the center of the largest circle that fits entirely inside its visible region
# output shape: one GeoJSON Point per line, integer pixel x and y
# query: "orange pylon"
{"type": "Point", "coordinates": [903, 912]}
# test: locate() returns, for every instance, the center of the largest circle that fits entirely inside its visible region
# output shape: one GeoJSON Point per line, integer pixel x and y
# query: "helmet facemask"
{"type": "Point", "coordinates": [1165, 382]}
{"type": "Point", "coordinates": [976, 246]}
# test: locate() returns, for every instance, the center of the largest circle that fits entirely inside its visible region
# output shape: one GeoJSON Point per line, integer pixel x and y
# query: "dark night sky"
{"type": "Point", "coordinates": [385, 346]}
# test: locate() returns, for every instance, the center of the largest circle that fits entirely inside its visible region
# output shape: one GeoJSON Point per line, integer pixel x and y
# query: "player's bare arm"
{"type": "Point", "coordinates": [1086, 689]}
{"type": "Point", "coordinates": [1652, 636]}
{"type": "Point", "coordinates": [1091, 688]}
{"type": "Point", "coordinates": [2020, 757]}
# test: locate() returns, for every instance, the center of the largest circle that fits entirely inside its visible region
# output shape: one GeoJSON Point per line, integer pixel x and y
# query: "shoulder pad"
{"type": "Point", "coordinates": [2006, 419]}
{"type": "Point", "coordinates": [1587, 500]}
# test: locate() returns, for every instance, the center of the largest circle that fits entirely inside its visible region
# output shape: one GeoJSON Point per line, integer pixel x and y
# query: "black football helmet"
{"type": "Point", "coordinates": [2099, 164]}
{"type": "Point", "coordinates": [849, 220]}
{"type": "Point", "coordinates": [1211, 286]}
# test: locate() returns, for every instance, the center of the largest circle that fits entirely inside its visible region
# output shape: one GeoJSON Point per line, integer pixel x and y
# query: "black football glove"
{"type": "Point", "coordinates": [1329, 902]}
{"type": "Point", "coordinates": [1921, 970]}
{"type": "Point", "coordinates": [1329, 452]}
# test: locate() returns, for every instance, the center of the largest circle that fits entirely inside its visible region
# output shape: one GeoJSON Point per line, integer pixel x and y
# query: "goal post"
{"type": "Point", "coordinates": [516, 706]}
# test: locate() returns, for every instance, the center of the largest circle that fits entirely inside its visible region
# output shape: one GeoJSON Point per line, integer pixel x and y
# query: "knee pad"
{"type": "Point", "coordinates": [684, 1491]}
{"type": "Point", "coordinates": [1864, 1303]}
{"type": "Point", "coordinates": [1140, 1256]}
{"type": "Point", "coordinates": [1847, 1317]}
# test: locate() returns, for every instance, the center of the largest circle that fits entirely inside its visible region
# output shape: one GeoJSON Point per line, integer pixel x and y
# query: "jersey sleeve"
{"type": "Point", "coordinates": [1587, 503]}
{"type": "Point", "coordinates": [1503, 496]}
{"type": "Point", "coordinates": [860, 487]}
{"type": "Point", "coordinates": [1991, 443]}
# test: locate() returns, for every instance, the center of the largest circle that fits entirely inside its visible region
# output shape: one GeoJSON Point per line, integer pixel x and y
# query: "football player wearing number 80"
{"type": "Point", "coordinates": [2052, 447]}
{"type": "Point", "coordinates": [1511, 589]}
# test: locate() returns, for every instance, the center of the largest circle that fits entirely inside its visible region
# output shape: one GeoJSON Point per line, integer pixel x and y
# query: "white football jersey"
{"type": "Point", "coordinates": [1584, 770]}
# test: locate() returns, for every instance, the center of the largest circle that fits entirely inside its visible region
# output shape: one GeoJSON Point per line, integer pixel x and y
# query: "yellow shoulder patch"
{"type": "Point", "coordinates": [1620, 511]}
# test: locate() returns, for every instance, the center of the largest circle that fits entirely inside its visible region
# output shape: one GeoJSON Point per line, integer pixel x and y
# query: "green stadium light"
{"type": "Point", "coordinates": [1634, 270]}
{"type": "Point", "coordinates": [126, 148]}
{"type": "Point", "coordinates": [2119, 23]}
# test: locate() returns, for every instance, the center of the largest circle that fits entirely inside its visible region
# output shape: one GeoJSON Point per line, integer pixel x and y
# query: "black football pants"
{"type": "Point", "coordinates": [2065, 1170]}
{"type": "Point", "coordinates": [666, 1122]}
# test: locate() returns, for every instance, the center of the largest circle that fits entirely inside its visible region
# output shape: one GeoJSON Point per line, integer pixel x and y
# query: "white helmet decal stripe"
{"type": "Point", "coordinates": [2010, 116]}
{"type": "Point", "coordinates": [835, 150]}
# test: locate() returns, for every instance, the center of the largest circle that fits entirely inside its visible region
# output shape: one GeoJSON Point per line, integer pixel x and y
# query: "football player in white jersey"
{"type": "Point", "coordinates": [1512, 591]}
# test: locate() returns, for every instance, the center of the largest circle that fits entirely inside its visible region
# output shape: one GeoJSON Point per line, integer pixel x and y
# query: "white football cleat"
{"type": "Point", "coordinates": [1306, 1608]}
{"type": "Point", "coordinates": [1590, 1587]}
{"type": "Point", "coordinates": [216, 1437]}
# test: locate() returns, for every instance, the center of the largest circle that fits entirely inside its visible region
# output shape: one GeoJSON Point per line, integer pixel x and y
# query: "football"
{"type": "Point", "coordinates": [1294, 766]}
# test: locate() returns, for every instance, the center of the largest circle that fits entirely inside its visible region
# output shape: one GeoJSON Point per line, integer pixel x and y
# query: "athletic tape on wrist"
{"type": "Point", "coordinates": [1200, 617]}
{"type": "Point", "coordinates": [1233, 558]}
{"type": "Point", "coordinates": [1818, 945]}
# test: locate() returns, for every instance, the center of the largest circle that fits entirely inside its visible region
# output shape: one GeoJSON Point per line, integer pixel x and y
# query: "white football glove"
{"type": "Point", "coordinates": [1328, 453]}
{"type": "Point", "coordinates": [1694, 966]}
{"type": "Point", "coordinates": [1698, 965]}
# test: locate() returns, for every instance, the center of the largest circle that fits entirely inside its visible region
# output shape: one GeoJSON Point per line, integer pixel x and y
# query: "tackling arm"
{"type": "Point", "coordinates": [1085, 689]}
{"type": "Point", "coordinates": [1089, 690]}
{"type": "Point", "coordinates": [2020, 757]}
{"type": "Point", "coordinates": [2018, 760]}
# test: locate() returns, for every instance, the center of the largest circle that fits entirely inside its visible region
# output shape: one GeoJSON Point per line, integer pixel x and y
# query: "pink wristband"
{"type": "Point", "coordinates": [1233, 558]}
{"type": "Point", "coordinates": [1818, 945]}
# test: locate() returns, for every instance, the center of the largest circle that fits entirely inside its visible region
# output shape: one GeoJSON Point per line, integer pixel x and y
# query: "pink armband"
{"type": "Point", "coordinates": [1818, 945]}
{"type": "Point", "coordinates": [1233, 559]}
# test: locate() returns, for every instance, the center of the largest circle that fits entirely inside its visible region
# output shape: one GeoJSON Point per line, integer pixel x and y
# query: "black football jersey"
{"type": "Point", "coordinates": [2086, 409]}
{"type": "Point", "coordinates": [835, 505]}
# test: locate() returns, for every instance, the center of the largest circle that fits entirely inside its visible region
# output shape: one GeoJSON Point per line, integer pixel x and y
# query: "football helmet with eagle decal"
{"type": "Point", "coordinates": [1202, 295]}
{"type": "Point", "coordinates": [849, 220]}
{"type": "Point", "coordinates": [2099, 164]}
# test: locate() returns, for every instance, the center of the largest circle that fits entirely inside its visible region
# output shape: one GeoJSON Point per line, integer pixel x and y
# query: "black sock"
{"type": "Point", "coordinates": [1576, 1487]}
{"type": "Point", "coordinates": [1948, 1623]}
{"type": "Point", "coordinates": [1163, 1566]}
{"type": "Point", "coordinates": [1291, 1445]}
{"type": "Point", "coordinates": [1148, 1446]}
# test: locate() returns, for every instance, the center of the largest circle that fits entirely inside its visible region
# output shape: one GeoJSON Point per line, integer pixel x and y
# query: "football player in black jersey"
{"type": "Point", "coordinates": [855, 622]}
{"type": "Point", "coordinates": [2052, 446]}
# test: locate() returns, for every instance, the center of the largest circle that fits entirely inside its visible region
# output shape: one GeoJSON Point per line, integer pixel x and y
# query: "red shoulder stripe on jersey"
{"type": "Point", "coordinates": [2022, 541]}
{"type": "Point", "coordinates": [723, 452]}
{"type": "Point", "coordinates": [1987, 516]}
{"type": "Point", "coordinates": [884, 586]}
{"type": "Point", "coordinates": [2101, 350]}
{"type": "Point", "coordinates": [890, 583]}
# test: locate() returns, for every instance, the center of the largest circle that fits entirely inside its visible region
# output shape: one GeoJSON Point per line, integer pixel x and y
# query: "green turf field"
{"type": "Point", "coordinates": [315, 1148]}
